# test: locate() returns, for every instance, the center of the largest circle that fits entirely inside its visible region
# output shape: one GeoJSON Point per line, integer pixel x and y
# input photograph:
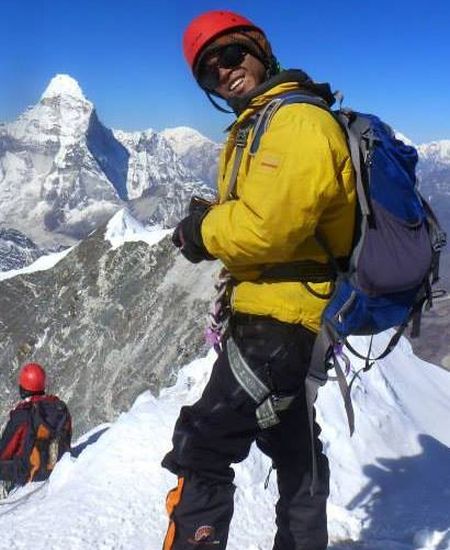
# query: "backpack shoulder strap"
{"type": "Point", "coordinates": [344, 118]}
{"type": "Point", "coordinates": [240, 144]}
{"type": "Point", "coordinates": [273, 106]}
{"type": "Point", "coordinates": [36, 418]}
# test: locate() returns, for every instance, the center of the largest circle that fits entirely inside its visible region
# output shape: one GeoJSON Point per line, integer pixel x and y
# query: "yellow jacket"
{"type": "Point", "coordinates": [300, 179]}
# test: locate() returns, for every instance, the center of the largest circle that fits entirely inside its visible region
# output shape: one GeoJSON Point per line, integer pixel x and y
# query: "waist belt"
{"type": "Point", "coordinates": [308, 271]}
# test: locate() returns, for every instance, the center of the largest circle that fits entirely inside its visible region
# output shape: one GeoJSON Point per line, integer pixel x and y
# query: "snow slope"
{"type": "Point", "coordinates": [390, 482]}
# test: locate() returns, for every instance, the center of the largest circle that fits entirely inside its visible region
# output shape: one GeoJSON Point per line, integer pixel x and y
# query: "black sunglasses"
{"type": "Point", "coordinates": [227, 57]}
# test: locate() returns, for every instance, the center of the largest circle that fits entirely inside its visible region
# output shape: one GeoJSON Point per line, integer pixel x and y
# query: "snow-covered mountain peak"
{"type": "Point", "coordinates": [61, 166]}
{"type": "Point", "coordinates": [198, 152]}
{"type": "Point", "coordinates": [123, 227]}
{"type": "Point", "coordinates": [183, 138]}
{"type": "Point", "coordinates": [438, 151]}
{"type": "Point", "coordinates": [63, 84]}
{"type": "Point", "coordinates": [61, 115]}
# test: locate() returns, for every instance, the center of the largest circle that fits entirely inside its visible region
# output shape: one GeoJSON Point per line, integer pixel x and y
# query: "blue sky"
{"type": "Point", "coordinates": [391, 58]}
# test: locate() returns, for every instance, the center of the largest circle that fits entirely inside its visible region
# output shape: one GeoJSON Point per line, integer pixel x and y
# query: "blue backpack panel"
{"type": "Point", "coordinates": [392, 255]}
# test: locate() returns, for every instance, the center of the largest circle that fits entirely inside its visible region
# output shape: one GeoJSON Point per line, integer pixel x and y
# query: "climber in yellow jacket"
{"type": "Point", "coordinates": [286, 203]}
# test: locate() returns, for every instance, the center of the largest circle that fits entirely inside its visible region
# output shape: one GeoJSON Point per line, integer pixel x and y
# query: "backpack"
{"type": "Point", "coordinates": [48, 438]}
{"type": "Point", "coordinates": [395, 227]}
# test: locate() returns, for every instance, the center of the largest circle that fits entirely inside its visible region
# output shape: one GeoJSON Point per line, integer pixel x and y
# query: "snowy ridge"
{"type": "Point", "coordinates": [121, 228]}
{"type": "Point", "coordinates": [183, 138]}
{"type": "Point", "coordinates": [389, 486]}
{"type": "Point", "coordinates": [41, 264]}
{"type": "Point", "coordinates": [124, 228]}
{"type": "Point", "coordinates": [438, 151]}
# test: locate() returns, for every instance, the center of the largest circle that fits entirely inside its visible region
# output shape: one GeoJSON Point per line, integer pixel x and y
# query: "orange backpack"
{"type": "Point", "coordinates": [49, 438]}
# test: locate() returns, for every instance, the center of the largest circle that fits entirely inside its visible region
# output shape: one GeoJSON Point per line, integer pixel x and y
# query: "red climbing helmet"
{"type": "Point", "coordinates": [207, 26]}
{"type": "Point", "coordinates": [32, 377]}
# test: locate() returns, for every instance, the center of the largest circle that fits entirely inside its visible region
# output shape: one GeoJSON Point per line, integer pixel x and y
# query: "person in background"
{"type": "Point", "coordinates": [38, 433]}
{"type": "Point", "coordinates": [281, 185]}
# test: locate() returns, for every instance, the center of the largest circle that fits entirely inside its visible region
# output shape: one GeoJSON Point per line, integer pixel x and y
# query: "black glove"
{"type": "Point", "coordinates": [187, 235]}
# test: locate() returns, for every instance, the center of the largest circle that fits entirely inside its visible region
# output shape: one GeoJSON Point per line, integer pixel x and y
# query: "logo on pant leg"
{"type": "Point", "coordinates": [204, 535]}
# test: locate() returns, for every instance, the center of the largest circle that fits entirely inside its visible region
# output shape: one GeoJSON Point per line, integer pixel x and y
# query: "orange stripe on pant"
{"type": "Point", "coordinates": [172, 501]}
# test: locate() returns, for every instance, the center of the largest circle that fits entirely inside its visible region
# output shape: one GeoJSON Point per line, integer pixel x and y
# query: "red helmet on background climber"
{"type": "Point", "coordinates": [32, 377]}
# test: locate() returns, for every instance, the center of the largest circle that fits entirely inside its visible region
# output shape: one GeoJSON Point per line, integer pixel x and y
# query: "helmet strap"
{"type": "Point", "coordinates": [216, 105]}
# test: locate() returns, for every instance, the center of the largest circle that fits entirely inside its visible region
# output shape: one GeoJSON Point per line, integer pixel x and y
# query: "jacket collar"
{"type": "Point", "coordinates": [286, 81]}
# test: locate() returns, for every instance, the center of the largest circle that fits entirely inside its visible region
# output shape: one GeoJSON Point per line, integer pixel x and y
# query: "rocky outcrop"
{"type": "Point", "coordinates": [16, 250]}
{"type": "Point", "coordinates": [106, 323]}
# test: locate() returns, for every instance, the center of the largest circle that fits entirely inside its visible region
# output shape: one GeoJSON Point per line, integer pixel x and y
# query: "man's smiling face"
{"type": "Point", "coordinates": [238, 80]}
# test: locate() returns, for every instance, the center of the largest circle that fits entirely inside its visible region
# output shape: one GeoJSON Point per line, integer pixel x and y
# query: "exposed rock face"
{"type": "Point", "coordinates": [159, 184]}
{"type": "Point", "coordinates": [107, 324]}
{"type": "Point", "coordinates": [16, 250]}
{"type": "Point", "coordinates": [152, 162]}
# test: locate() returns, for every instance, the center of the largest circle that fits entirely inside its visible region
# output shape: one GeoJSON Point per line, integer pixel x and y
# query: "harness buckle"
{"type": "Point", "coordinates": [242, 136]}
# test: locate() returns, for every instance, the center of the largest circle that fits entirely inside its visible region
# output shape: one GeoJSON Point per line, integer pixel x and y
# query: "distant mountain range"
{"type": "Point", "coordinates": [63, 173]}
{"type": "Point", "coordinates": [16, 250]}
